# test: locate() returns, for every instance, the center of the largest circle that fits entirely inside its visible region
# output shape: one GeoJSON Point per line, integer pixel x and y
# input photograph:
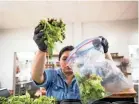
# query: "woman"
{"type": "Point", "coordinates": [60, 83]}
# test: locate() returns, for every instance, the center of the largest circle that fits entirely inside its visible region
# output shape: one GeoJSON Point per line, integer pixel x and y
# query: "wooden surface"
{"type": "Point", "coordinates": [117, 57]}
{"type": "Point", "coordinates": [130, 93]}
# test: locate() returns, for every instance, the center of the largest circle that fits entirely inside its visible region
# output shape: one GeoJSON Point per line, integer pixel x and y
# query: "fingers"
{"type": "Point", "coordinates": [96, 42]}
{"type": "Point", "coordinates": [40, 34]}
{"type": "Point", "coordinates": [39, 38]}
{"type": "Point", "coordinates": [37, 29]}
{"type": "Point", "coordinates": [101, 37]}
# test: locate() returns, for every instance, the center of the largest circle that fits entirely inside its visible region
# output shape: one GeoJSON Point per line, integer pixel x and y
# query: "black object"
{"type": "Point", "coordinates": [97, 43]}
{"type": "Point", "coordinates": [105, 44]}
{"type": "Point", "coordinates": [117, 99]}
{"type": "Point", "coordinates": [32, 88]}
{"type": "Point", "coordinates": [4, 93]}
{"type": "Point", "coordinates": [70, 101]}
{"type": "Point", "coordinates": [38, 38]}
{"type": "Point", "coordinates": [123, 102]}
{"type": "Point", "coordinates": [101, 102]}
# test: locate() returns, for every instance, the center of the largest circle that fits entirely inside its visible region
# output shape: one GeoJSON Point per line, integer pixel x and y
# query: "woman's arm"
{"type": "Point", "coordinates": [108, 56]}
{"type": "Point", "coordinates": [38, 67]}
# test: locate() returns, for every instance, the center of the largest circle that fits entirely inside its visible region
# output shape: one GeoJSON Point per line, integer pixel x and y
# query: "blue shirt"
{"type": "Point", "coordinates": [56, 86]}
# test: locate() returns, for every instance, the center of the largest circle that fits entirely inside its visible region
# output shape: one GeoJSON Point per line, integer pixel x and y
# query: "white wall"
{"type": "Point", "coordinates": [12, 41]}
{"type": "Point", "coordinates": [119, 33]}
{"type": "Point", "coordinates": [19, 40]}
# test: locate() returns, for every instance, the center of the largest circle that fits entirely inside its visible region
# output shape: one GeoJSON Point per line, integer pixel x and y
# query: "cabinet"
{"type": "Point", "coordinates": [53, 62]}
{"type": "Point", "coordinates": [117, 59]}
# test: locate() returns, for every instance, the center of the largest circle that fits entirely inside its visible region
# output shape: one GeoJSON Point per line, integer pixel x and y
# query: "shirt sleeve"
{"type": "Point", "coordinates": [49, 76]}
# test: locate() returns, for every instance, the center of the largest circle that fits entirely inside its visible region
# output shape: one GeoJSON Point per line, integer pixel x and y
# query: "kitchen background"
{"type": "Point", "coordinates": [115, 20]}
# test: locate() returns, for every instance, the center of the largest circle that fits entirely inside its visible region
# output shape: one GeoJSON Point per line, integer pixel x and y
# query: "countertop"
{"type": "Point", "coordinates": [129, 93]}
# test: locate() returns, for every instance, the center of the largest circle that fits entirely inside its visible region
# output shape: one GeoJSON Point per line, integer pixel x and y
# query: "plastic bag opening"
{"type": "Point", "coordinates": [97, 77]}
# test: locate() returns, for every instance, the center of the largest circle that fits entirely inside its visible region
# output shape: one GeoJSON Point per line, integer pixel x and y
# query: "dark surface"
{"type": "Point", "coordinates": [117, 99]}
{"type": "Point", "coordinates": [70, 101]}
{"type": "Point", "coordinates": [30, 87]}
{"type": "Point", "coordinates": [123, 102]}
{"type": "Point", "coordinates": [4, 93]}
{"type": "Point", "coordinates": [100, 102]}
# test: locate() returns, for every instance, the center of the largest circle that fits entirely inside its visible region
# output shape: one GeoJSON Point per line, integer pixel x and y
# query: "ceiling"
{"type": "Point", "coordinates": [19, 14]}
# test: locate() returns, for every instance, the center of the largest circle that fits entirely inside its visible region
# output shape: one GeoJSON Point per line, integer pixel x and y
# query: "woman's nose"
{"type": "Point", "coordinates": [67, 65]}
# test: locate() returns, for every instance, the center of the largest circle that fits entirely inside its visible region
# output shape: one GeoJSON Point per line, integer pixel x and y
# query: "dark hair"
{"type": "Point", "coordinates": [66, 48]}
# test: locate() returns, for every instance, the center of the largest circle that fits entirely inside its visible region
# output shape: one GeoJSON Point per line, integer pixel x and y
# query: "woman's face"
{"type": "Point", "coordinates": [63, 64]}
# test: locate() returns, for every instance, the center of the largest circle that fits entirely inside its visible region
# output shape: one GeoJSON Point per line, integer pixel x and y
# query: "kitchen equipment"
{"type": "Point", "coordinates": [101, 102]}
{"type": "Point", "coordinates": [4, 92]}
{"type": "Point", "coordinates": [70, 101]}
{"type": "Point", "coordinates": [123, 102]}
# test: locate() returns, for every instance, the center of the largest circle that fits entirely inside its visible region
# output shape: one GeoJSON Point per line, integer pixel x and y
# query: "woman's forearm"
{"type": "Point", "coordinates": [108, 56]}
{"type": "Point", "coordinates": [38, 67]}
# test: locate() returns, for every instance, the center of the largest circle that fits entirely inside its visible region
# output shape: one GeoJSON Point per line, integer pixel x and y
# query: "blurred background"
{"type": "Point", "coordinates": [115, 20]}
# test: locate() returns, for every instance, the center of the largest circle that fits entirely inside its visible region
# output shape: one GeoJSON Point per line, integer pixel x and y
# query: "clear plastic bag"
{"type": "Point", "coordinates": [95, 73]}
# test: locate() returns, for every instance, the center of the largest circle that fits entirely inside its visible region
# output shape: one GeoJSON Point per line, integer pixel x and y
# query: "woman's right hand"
{"type": "Point", "coordinates": [38, 38]}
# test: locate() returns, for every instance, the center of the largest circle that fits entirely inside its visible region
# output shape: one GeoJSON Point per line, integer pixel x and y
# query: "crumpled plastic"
{"type": "Point", "coordinates": [88, 58]}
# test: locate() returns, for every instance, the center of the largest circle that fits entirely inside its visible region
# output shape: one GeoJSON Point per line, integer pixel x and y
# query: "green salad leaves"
{"type": "Point", "coordinates": [25, 99]}
{"type": "Point", "coordinates": [90, 87]}
{"type": "Point", "coordinates": [54, 31]}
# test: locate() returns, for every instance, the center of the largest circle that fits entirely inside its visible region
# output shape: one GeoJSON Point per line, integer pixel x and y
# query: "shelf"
{"type": "Point", "coordinates": [23, 82]}
{"type": "Point", "coordinates": [49, 65]}
{"type": "Point", "coordinates": [127, 73]}
{"type": "Point", "coordinates": [117, 57]}
{"type": "Point", "coordinates": [54, 55]}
